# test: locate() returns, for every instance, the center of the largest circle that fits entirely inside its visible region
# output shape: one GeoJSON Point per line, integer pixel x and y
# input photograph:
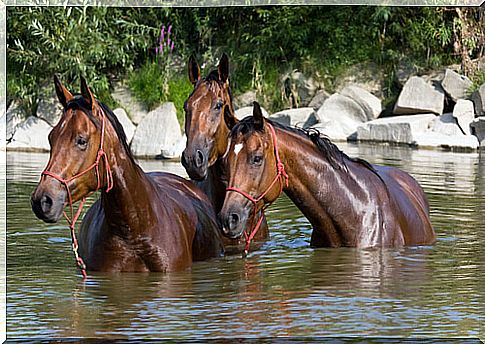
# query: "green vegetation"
{"type": "Point", "coordinates": [107, 44]}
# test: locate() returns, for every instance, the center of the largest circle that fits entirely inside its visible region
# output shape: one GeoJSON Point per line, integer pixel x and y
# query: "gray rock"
{"type": "Point", "coordinates": [125, 121]}
{"type": "Point", "coordinates": [31, 135]}
{"type": "Point", "coordinates": [14, 116]}
{"type": "Point", "coordinates": [447, 125]}
{"type": "Point", "coordinates": [248, 111]}
{"type": "Point", "coordinates": [299, 87]}
{"type": "Point", "coordinates": [50, 110]}
{"type": "Point", "coordinates": [301, 117]}
{"type": "Point", "coordinates": [464, 114]}
{"type": "Point", "coordinates": [158, 130]}
{"type": "Point", "coordinates": [245, 99]}
{"type": "Point", "coordinates": [175, 151]}
{"type": "Point", "coordinates": [455, 85]}
{"type": "Point", "coordinates": [478, 128]}
{"type": "Point", "coordinates": [368, 76]}
{"type": "Point", "coordinates": [419, 97]}
{"type": "Point", "coordinates": [318, 99]}
{"type": "Point", "coordinates": [399, 129]}
{"type": "Point", "coordinates": [478, 98]}
{"type": "Point", "coordinates": [135, 109]}
{"type": "Point", "coordinates": [369, 102]}
{"type": "Point", "coordinates": [432, 139]}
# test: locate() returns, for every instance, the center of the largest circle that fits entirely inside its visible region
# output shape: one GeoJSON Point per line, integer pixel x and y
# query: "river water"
{"type": "Point", "coordinates": [283, 289]}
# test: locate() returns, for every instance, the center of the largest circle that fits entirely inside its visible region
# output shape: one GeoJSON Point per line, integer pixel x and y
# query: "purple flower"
{"type": "Point", "coordinates": [169, 29]}
{"type": "Point", "coordinates": [162, 32]}
{"type": "Point", "coordinates": [171, 48]}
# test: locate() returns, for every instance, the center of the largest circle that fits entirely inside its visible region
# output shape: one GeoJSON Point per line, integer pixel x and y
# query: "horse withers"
{"type": "Point", "coordinates": [348, 201]}
{"type": "Point", "coordinates": [142, 221]}
{"type": "Point", "coordinates": [209, 113]}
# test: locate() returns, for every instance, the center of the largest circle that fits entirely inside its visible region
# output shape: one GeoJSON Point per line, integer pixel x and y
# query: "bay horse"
{"type": "Point", "coordinates": [207, 110]}
{"type": "Point", "coordinates": [142, 221]}
{"type": "Point", "coordinates": [348, 201]}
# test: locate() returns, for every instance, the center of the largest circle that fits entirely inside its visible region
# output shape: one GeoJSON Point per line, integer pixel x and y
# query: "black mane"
{"type": "Point", "coordinates": [334, 155]}
{"type": "Point", "coordinates": [79, 103]}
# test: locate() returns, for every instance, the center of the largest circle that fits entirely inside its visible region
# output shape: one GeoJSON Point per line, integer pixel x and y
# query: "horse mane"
{"type": "Point", "coordinates": [332, 153]}
{"type": "Point", "coordinates": [79, 103]}
{"type": "Point", "coordinates": [209, 79]}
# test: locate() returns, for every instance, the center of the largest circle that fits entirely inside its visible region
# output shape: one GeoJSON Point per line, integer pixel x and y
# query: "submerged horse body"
{"type": "Point", "coordinates": [207, 110]}
{"type": "Point", "coordinates": [348, 201]}
{"type": "Point", "coordinates": [142, 221]}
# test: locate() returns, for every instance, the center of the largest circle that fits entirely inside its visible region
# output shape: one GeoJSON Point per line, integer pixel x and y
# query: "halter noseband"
{"type": "Point", "coordinates": [109, 180]}
{"type": "Point", "coordinates": [280, 175]}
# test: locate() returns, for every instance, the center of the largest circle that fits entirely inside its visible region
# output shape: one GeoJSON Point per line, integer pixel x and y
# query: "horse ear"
{"type": "Point", "coordinates": [229, 118]}
{"type": "Point", "coordinates": [87, 94]}
{"type": "Point", "coordinates": [194, 70]}
{"type": "Point", "coordinates": [223, 68]}
{"type": "Point", "coordinates": [258, 116]}
{"type": "Point", "coordinates": [63, 94]}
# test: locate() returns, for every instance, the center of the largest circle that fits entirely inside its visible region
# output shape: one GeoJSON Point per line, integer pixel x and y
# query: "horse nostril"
{"type": "Point", "coordinates": [46, 203]}
{"type": "Point", "coordinates": [233, 221]}
{"type": "Point", "coordinates": [199, 158]}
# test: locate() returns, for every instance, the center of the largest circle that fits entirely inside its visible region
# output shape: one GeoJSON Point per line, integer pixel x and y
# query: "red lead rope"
{"type": "Point", "coordinates": [74, 216]}
{"type": "Point", "coordinates": [281, 173]}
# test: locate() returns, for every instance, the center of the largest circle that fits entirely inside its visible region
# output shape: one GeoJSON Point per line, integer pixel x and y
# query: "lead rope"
{"type": "Point", "coordinates": [74, 216]}
{"type": "Point", "coordinates": [280, 175]}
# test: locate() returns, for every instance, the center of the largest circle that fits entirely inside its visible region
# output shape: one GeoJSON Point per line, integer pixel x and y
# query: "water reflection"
{"type": "Point", "coordinates": [284, 288]}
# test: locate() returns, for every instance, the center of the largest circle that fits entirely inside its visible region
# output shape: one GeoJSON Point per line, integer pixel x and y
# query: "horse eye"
{"type": "Point", "coordinates": [218, 105]}
{"type": "Point", "coordinates": [81, 142]}
{"type": "Point", "coordinates": [257, 159]}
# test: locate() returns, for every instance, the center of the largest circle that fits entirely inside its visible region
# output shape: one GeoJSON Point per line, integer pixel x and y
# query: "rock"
{"type": "Point", "coordinates": [369, 102]}
{"type": "Point", "coordinates": [245, 99]}
{"type": "Point", "coordinates": [368, 76]}
{"type": "Point", "coordinates": [298, 88]}
{"type": "Point", "coordinates": [404, 70]}
{"type": "Point", "coordinates": [135, 109]}
{"type": "Point", "coordinates": [463, 112]}
{"type": "Point", "coordinates": [419, 97]}
{"type": "Point", "coordinates": [175, 151]}
{"type": "Point", "coordinates": [14, 116]}
{"type": "Point", "coordinates": [478, 98]}
{"type": "Point", "coordinates": [339, 117]}
{"type": "Point", "coordinates": [432, 139]}
{"type": "Point", "coordinates": [302, 117]}
{"type": "Point", "coordinates": [125, 121]}
{"type": "Point", "coordinates": [31, 135]}
{"type": "Point", "coordinates": [318, 99]}
{"type": "Point", "coordinates": [248, 111]}
{"type": "Point", "coordinates": [478, 129]}
{"type": "Point", "coordinates": [50, 110]}
{"type": "Point", "coordinates": [398, 129]}
{"type": "Point", "coordinates": [455, 85]}
{"type": "Point", "coordinates": [157, 131]}
{"type": "Point", "coordinates": [447, 125]}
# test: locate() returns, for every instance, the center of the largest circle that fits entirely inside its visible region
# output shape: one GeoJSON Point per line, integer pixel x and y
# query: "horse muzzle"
{"type": "Point", "coordinates": [46, 206]}
{"type": "Point", "coordinates": [195, 164]}
{"type": "Point", "coordinates": [234, 221]}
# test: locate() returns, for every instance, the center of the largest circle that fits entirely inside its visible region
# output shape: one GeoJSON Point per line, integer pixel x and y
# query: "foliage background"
{"type": "Point", "coordinates": [107, 45]}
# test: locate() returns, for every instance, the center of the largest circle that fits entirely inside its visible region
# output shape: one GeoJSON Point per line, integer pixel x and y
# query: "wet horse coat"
{"type": "Point", "coordinates": [349, 202]}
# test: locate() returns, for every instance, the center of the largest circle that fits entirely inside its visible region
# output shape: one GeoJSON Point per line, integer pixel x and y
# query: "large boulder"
{"type": "Point", "coordinates": [299, 88]}
{"type": "Point", "coordinates": [478, 98]}
{"type": "Point", "coordinates": [369, 102]}
{"type": "Point", "coordinates": [14, 116]}
{"type": "Point", "coordinates": [368, 76]}
{"type": "Point", "coordinates": [157, 131]}
{"type": "Point", "coordinates": [245, 99]}
{"type": "Point", "coordinates": [464, 114]}
{"type": "Point", "coordinates": [318, 99]}
{"type": "Point", "coordinates": [478, 128]}
{"type": "Point", "coordinates": [432, 139]}
{"type": "Point", "coordinates": [50, 110]}
{"type": "Point", "coordinates": [447, 125]}
{"type": "Point", "coordinates": [419, 97]}
{"type": "Point", "coordinates": [398, 129]}
{"type": "Point", "coordinates": [128, 126]}
{"type": "Point", "coordinates": [175, 151]}
{"type": "Point", "coordinates": [31, 135]}
{"type": "Point", "coordinates": [248, 111]}
{"type": "Point", "coordinates": [339, 117]}
{"type": "Point", "coordinates": [301, 117]}
{"type": "Point", "coordinates": [135, 109]}
{"type": "Point", "coordinates": [455, 85]}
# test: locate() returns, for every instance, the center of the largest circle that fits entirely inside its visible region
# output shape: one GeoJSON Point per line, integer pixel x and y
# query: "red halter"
{"type": "Point", "coordinates": [75, 216]}
{"type": "Point", "coordinates": [281, 173]}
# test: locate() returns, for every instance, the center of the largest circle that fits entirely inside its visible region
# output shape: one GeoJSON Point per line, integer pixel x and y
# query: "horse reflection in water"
{"type": "Point", "coordinates": [349, 202]}
{"type": "Point", "coordinates": [142, 222]}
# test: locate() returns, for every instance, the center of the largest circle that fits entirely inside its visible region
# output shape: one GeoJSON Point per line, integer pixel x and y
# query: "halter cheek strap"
{"type": "Point", "coordinates": [281, 176]}
{"type": "Point", "coordinates": [74, 216]}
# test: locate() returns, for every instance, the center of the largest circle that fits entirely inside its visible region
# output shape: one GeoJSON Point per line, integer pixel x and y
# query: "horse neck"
{"type": "Point", "coordinates": [214, 186]}
{"type": "Point", "coordinates": [126, 205]}
{"type": "Point", "coordinates": [329, 197]}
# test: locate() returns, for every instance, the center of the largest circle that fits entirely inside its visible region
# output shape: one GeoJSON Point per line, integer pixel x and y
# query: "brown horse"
{"type": "Point", "coordinates": [349, 202]}
{"type": "Point", "coordinates": [142, 221]}
{"type": "Point", "coordinates": [207, 110]}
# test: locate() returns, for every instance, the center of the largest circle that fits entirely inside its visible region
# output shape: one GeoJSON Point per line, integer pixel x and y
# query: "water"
{"type": "Point", "coordinates": [283, 289]}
